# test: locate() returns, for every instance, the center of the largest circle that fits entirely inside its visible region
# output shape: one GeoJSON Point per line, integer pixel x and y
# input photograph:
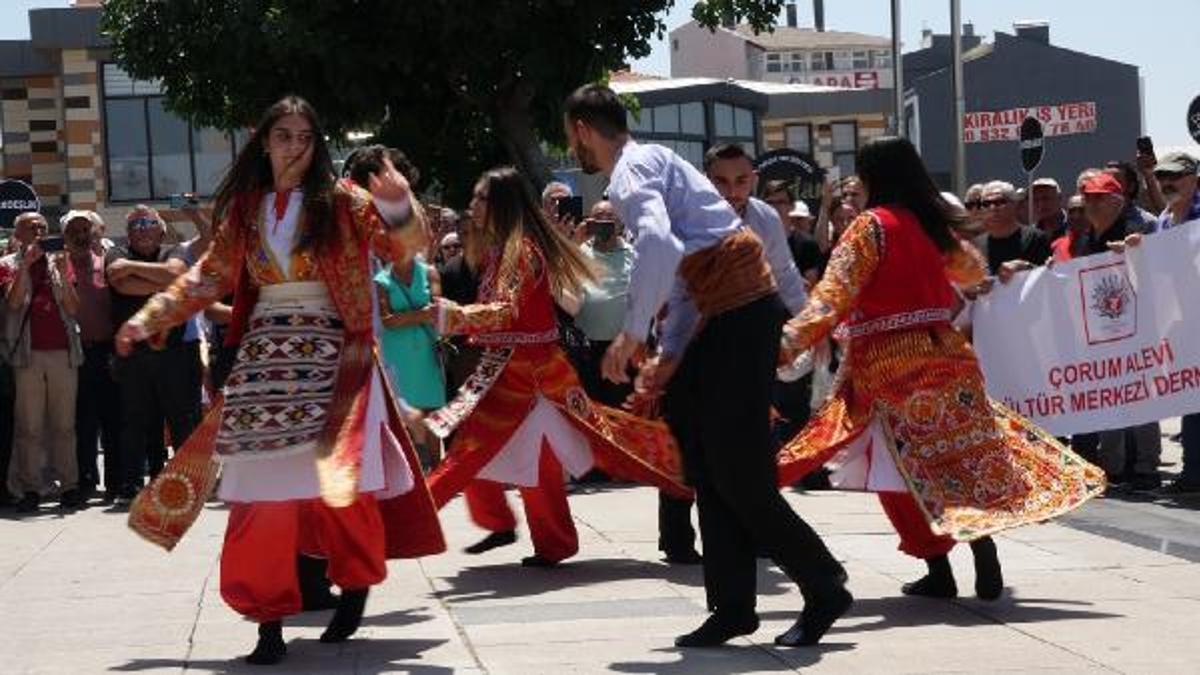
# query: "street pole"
{"type": "Point", "coordinates": [960, 111]}
{"type": "Point", "coordinates": [897, 71]}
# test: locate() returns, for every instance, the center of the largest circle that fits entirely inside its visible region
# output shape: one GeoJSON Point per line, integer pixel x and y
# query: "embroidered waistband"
{"type": "Point", "coordinates": [507, 339]}
{"type": "Point", "coordinates": [893, 322]}
{"type": "Point", "coordinates": [729, 274]}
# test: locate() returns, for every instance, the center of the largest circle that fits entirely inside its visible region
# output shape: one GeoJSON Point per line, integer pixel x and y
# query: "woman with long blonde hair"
{"type": "Point", "coordinates": [523, 416]}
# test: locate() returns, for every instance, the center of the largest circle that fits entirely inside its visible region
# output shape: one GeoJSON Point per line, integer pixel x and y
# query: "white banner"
{"type": "Point", "coordinates": [1058, 119]}
{"type": "Point", "coordinates": [1101, 342]}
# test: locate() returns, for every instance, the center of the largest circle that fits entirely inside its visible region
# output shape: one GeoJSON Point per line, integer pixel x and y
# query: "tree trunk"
{"type": "Point", "coordinates": [514, 124]}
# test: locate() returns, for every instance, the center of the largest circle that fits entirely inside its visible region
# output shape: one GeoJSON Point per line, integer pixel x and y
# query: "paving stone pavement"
{"type": "Point", "coordinates": [79, 593]}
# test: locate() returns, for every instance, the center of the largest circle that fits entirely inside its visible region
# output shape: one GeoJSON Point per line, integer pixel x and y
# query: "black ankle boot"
{"type": "Point", "coordinates": [939, 583]}
{"type": "Point", "coordinates": [270, 648]}
{"type": "Point", "coordinates": [314, 585]}
{"type": "Point", "coordinates": [493, 540]}
{"type": "Point", "coordinates": [989, 580]}
{"type": "Point", "coordinates": [820, 612]}
{"type": "Point", "coordinates": [347, 617]}
{"type": "Point", "coordinates": [718, 629]}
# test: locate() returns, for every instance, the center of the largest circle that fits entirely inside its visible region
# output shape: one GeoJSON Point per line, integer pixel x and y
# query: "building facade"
{"type": "Point", "coordinates": [87, 136]}
{"type": "Point", "coordinates": [789, 54]}
{"type": "Point", "coordinates": [1090, 107]}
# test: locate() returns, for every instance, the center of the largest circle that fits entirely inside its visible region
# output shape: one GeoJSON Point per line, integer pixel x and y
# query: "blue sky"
{"type": "Point", "coordinates": [1159, 36]}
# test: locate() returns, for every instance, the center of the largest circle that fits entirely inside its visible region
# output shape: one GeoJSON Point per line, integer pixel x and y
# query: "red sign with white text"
{"type": "Point", "coordinates": [1058, 119]}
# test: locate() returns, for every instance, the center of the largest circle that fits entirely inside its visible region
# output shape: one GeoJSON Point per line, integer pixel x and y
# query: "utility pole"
{"type": "Point", "coordinates": [960, 150]}
{"type": "Point", "coordinates": [897, 71]}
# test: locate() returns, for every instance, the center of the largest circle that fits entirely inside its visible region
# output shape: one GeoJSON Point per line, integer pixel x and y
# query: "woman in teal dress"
{"type": "Point", "coordinates": [406, 291]}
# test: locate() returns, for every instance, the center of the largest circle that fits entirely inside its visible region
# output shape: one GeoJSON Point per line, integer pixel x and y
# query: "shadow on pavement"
{"type": "Point", "coordinates": [364, 656]}
{"type": "Point", "coordinates": [403, 617]}
{"type": "Point", "coordinates": [731, 659]}
{"type": "Point", "coordinates": [490, 582]}
{"type": "Point", "coordinates": [905, 612]}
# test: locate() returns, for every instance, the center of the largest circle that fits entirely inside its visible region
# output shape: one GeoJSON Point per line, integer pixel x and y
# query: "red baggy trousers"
{"type": "Point", "coordinates": [916, 537]}
{"type": "Point", "coordinates": [258, 561]}
{"type": "Point", "coordinates": [546, 509]}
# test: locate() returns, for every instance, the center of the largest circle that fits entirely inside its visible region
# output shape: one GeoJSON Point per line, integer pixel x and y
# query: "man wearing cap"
{"type": "Point", "coordinates": [150, 382]}
{"type": "Point", "coordinates": [43, 347]}
{"type": "Point", "coordinates": [97, 402]}
{"type": "Point", "coordinates": [1048, 214]}
{"type": "Point", "coordinates": [1104, 208]}
{"type": "Point", "coordinates": [1176, 175]}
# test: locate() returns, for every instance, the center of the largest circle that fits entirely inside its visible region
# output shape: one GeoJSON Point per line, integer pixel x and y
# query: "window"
{"type": "Point", "coordinates": [845, 144]}
{"type": "Point", "coordinates": [799, 60]}
{"type": "Point", "coordinates": [743, 122]}
{"type": "Point", "coordinates": [841, 61]}
{"type": "Point", "coordinates": [691, 117]}
{"type": "Point", "coordinates": [773, 63]}
{"type": "Point", "coordinates": [818, 60]}
{"type": "Point", "coordinates": [666, 119]}
{"type": "Point", "coordinates": [883, 58]}
{"type": "Point", "coordinates": [153, 153]}
{"type": "Point", "coordinates": [642, 121]}
{"type": "Point", "coordinates": [675, 44]}
{"type": "Point", "coordinates": [861, 60]}
{"type": "Point", "coordinates": [798, 137]}
{"type": "Point", "coordinates": [723, 119]}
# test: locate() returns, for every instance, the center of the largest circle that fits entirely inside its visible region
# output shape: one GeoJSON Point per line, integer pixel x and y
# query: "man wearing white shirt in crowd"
{"type": "Point", "coordinates": [693, 249]}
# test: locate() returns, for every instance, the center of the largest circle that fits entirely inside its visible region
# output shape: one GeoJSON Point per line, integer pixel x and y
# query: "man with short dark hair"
{"type": "Point", "coordinates": [153, 382]}
{"type": "Point", "coordinates": [1136, 218]}
{"type": "Point", "coordinates": [693, 250]}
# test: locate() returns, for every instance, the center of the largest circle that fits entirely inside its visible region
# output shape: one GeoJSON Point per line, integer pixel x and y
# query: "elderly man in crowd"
{"type": "Point", "coordinates": [1176, 176]}
{"type": "Point", "coordinates": [97, 403]}
{"type": "Point", "coordinates": [43, 344]}
{"type": "Point", "coordinates": [1007, 239]}
{"type": "Point", "coordinates": [155, 384]}
{"type": "Point", "coordinates": [1048, 215]}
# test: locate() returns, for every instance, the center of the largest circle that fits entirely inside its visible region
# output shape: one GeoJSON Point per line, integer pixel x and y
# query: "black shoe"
{"type": "Point", "coordinates": [493, 540]}
{"type": "Point", "coordinates": [109, 497]}
{"type": "Point", "coordinates": [989, 580]}
{"type": "Point", "coordinates": [126, 495]}
{"type": "Point", "coordinates": [938, 583]}
{"type": "Point", "coordinates": [1145, 482]}
{"type": "Point", "coordinates": [314, 585]}
{"type": "Point", "coordinates": [536, 560]}
{"type": "Point", "coordinates": [29, 503]}
{"type": "Point", "coordinates": [718, 629]}
{"type": "Point", "coordinates": [270, 648]}
{"type": "Point", "coordinates": [348, 616]}
{"type": "Point", "coordinates": [687, 556]}
{"type": "Point", "coordinates": [1179, 488]}
{"type": "Point", "coordinates": [816, 619]}
{"type": "Point", "coordinates": [71, 499]}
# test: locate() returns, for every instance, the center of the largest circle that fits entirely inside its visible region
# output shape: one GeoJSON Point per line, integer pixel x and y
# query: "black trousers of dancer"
{"type": "Point", "coordinates": [98, 418]}
{"type": "Point", "coordinates": [719, 409]}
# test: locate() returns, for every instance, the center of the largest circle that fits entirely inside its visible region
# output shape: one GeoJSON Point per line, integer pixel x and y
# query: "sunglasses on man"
{"type": "Point", "coordinates": [142, 223]}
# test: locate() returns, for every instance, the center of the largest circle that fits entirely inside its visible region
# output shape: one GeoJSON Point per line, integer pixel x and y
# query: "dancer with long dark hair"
{"type": "Point", "coordinates": [909, 418]}
{"type": "Point", "coordinates": [315, 458]}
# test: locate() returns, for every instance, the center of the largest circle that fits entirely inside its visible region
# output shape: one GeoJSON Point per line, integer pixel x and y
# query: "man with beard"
{"type": "Point", "coordinates": [694, 254]}
{"type": "Point", "coordinates": [732, 174]}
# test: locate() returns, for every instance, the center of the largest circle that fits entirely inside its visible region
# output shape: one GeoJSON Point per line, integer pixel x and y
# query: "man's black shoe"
{"type": "Point", "coordinates": [816, 619]}
{"type": "Point", "coordinates": [29, 503]}
{"type": "Point", "coordinates": [348, 616]}
{"type": "Point", "coordinates": [270, 648]}
{"type": "Point", "coordinates": [687, 556]}
{"type": "Point", "coordinates": [493, 540]}
{"type": "Point", "coordinates": [71, 499]}
{"type": "Point", "coordinates": [536, 560]}
{"type": "Point", "coordinates": [939, 583]}
{"type": "Point", "coordinates": [718, 629]}
{"type": "Point", "coordinates": [989, 580]}
{"type": "Point", "coordinates": [1180, 488]}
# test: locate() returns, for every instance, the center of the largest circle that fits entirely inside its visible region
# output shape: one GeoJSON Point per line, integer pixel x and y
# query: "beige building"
{"type": "Point", "coordinates": [790, 54]}
{"type": "Point", "coordinates": [86, 136]}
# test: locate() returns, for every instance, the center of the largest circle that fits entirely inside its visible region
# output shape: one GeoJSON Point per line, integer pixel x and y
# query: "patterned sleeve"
{"type": "Point", "coordinates": [210, 279]}
{"type": "Point", "coordinates": [502, 302]}
{"type": "Point", "coordinates": [851, 266]}
{"type": "Point", "coordinates": [965, 265]}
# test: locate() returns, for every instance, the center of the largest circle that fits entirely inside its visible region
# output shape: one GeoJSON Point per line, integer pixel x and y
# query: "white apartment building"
{"type": "Point", "coordinates": [789, 54]}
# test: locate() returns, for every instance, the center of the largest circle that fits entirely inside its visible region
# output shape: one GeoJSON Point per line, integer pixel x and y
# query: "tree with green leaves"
{"type": "Point", "coordinates": [459, 85]}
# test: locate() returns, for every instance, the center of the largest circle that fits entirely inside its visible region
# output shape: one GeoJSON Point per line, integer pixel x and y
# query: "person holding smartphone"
{"type": "Point", "coordinates": [603, 311]}
{"type": "Point", "coordinates": [45, 352]}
